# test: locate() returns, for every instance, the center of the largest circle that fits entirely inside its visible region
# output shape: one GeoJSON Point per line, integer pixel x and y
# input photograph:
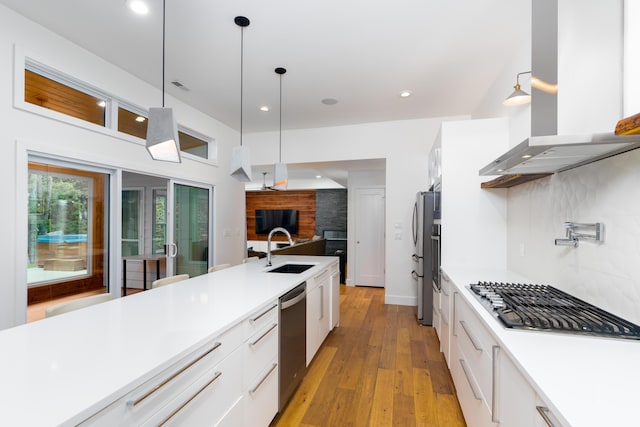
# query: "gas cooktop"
{"type": "Point", "coordinates": [545, 308]}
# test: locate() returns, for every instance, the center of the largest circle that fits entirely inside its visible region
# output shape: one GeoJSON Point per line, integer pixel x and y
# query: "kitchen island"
{"type": "Point", "coordinates": [517, 377]}
{"type": "Point", "coordinates": [75, 367]}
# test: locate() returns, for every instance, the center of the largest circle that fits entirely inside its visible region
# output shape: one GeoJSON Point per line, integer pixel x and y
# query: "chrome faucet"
{"type": "Point", "coordinates": [574, 236]}
{"type": "Point", "coordinates": [271, 233]}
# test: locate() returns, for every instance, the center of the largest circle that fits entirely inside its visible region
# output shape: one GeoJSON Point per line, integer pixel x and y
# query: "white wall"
{"type": "Point", "coordinates": [24, 132]}
{"type": "Point", "coordinates": [405, 146]}
{"type": "Point", "coordinates": [474, 233]}
{"type": "Point", "coordinates": [631, 58]}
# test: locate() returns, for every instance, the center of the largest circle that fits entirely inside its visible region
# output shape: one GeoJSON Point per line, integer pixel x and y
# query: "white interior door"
{"type": "Point", "coordinates": [369, 236]}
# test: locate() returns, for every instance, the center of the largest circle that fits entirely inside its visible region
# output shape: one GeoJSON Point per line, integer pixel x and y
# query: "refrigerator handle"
{"type": "Point", "coordinates": [414, 223]}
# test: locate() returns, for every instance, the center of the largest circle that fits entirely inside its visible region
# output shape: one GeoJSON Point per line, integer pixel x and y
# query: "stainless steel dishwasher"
{"type": "Point", "coordinates": [293, 341]}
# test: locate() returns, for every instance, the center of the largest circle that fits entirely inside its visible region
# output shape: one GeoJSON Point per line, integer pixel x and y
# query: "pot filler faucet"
{"type": "Point", "coordinates": [271, 233]}
{"type": "Point", "coordinates": [573, 236]}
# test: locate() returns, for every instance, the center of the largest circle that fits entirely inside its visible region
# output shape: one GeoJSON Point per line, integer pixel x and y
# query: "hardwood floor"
{"type": "Point", "coordinates": [378, 368]}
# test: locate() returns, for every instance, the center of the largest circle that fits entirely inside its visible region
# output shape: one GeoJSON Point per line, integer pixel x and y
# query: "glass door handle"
{"type": "Point", "coordinates": [173, 250]}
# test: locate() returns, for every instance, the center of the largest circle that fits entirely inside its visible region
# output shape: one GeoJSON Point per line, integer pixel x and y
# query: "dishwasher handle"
{"type": "Point", "coordinates": [294, 296]}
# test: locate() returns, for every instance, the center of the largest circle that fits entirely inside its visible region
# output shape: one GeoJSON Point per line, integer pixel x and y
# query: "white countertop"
{"type": "Point", "coordinates": [60, 370]}
{"type": "Point", "coordinates": [588, 381]}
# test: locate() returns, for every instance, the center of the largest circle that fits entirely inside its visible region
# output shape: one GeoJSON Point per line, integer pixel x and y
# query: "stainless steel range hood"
{"type": "Point", "coordinates": [578, 45]}
{"type": "Point", "coordinates": [550, 154]}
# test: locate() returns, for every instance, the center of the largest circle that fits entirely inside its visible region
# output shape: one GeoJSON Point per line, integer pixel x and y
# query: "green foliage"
{"type": "Point", "coordinates": [58, 203]}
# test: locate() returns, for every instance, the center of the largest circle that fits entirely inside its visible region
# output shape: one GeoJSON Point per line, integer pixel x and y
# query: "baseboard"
{"type": "Point", "coordinates": [400, 300]}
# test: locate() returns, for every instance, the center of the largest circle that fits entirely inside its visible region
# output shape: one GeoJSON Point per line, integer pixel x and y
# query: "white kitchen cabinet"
{"type": "Point", "coordinates": [318, 317]}
{"type": "Point", "coordinates": [436, 316]}
{"type": "Point", "coordinates": [195, 376]}
{"type": "Point", "coordinates": [261, 367]}
{"type": "Point", "coordinates": [208, 400]}
{"type": "Point", "coordinates": [446, 318]}
{"type": "Point", "coordinates": [335, 294]}
{"type": "Point", "coordinates": [475, 366]}
{"type": "Point", "coordinates": [231, 381]}
{"type": "Point", "coordinates": [518, 403]}
{"type": "Point", "coordinates": [491, 389]}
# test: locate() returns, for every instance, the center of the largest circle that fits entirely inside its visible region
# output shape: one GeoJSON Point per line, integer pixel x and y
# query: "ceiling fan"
{"type": "Point", "coordinates": [264, 183]}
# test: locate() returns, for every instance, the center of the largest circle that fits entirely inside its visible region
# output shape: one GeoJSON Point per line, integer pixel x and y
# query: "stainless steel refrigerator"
{"type": "Point", "coordinates": [426, 256]}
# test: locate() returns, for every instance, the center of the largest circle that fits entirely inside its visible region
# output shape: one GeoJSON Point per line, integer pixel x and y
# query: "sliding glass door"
{"type": "Point", "coordinates": [188, 229]}
{"type": "Point", "coordinates": [67, 231]}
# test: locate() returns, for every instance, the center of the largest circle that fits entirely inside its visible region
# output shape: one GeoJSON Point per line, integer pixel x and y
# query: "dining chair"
{"type": "Point", "coordinates": [218, 267]}
{"type": "Point", "coordinates": [75, 304]}
{"type": "Point", "coordinates": [168, 280]}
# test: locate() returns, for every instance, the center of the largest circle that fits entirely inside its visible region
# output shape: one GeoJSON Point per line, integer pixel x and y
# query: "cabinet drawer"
{"type": "Point", "coordinates": [262, 317]}
{"type": "Point", "coordinates": [207, 400]}
{"type": "Point", "coordinates": [476, 347]}
{"type": "Point", "coordinates": [334, 268]}
{"type": "Point", "coordinates": [141, 403]}
{"type": "Point", "coordinates": [261, 348]}
{"type": "Point", "coordinates": [261, 398]}
{"type": "Point", "coordinates": [474, 407]}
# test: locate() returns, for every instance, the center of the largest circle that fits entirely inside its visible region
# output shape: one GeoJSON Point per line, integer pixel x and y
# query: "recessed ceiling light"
{"type": "Point", "coordinates": [264, 108]}
{"type": "Point", "coordinates": [140, 119]}
{"type": "Point", "coordinates": [318, 176]}
{"type": "Point", "coordinates": [526, 156]}
{"type": "Point", "coordinates": [405, 94]}
{"type": "Point", "coordinates": [329, 101]}
{"type": "Point", "coordinates": [138, 6]}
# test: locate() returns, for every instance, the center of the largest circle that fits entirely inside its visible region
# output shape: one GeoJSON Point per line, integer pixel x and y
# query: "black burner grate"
{"type": "Point", "coordinates": [541, 307]}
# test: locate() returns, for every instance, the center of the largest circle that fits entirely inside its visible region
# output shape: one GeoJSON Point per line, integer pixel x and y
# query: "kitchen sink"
{"type": "Point", "coordinates": [291, 268]}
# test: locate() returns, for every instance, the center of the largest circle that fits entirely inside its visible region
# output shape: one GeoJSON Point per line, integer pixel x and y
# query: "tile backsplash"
{"type": "Point", "coordinates": [605, 274]}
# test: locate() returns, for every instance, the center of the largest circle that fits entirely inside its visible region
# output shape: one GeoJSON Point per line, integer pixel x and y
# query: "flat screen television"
{"type": "Point", "coordinates": [268, 219]}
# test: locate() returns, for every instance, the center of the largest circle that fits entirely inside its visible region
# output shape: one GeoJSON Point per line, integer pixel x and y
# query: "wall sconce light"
{"type": "Point", "coordinates": [162, 129]}
{"type": "Point", "coordinates": [280, 175]}
{"type": "Point", "coordinates": [518, 97]}
{"type": "Point", "coordinates": [240, 162]}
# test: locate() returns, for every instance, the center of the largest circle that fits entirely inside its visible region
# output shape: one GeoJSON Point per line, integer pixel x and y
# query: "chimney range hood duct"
{"type": "Point", "coordinates": [577, 44]}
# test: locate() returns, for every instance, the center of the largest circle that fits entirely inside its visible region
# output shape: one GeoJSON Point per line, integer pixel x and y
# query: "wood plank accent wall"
{"type": "Point", "coordinates": [304, 201]}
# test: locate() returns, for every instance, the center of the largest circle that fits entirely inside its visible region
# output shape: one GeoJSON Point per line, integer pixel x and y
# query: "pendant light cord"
{"type": "Point", "coordinates": [280, 140]}
{"type": "Point", "coordinates": [241, 79]}
{"type": "Point", "coordinates": [164, 23]}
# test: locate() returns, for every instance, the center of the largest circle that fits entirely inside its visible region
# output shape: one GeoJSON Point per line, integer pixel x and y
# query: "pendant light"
{"type": "Point", "coordinates": [240, 163]}
{"type": "Point", "coordinates": [162, 129]}
{"type": "Point", "coordinates": [518, 97]}
{"type": "Point", "coordinates": [280, 176]}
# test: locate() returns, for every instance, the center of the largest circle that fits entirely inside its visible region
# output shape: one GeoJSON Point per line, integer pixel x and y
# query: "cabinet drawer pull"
{"type": "Point", "coordinates": [494, 384]}
{"type": "Point", "coordinates": [444, 275]}
{"type": "Point", "coordinates": [444, 318]}
{"type": "Point", "coordinates": [263, 335]}
{"type": "Point", "coordinates": [471, 337]}
{"type": "Point", "coordinates": [320, 275]}
{"type": "Point", "coordinates": [273, 367]}
{"type": "Point", "coordinates": [475, 392]}
{"type": "Point", "coordinates": [263, 313]}
{"type": "Point", "coordinates": [544, 413]}
{"type": "Point", "coordinates": [163, 383]}
{"type": "Point", "coordinates": [453, 313]}
{"type": "Point", "coordinates": [217, 375]}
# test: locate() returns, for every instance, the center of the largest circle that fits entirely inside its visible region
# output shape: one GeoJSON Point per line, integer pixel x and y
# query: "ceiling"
{"type": "Point", "coordinates": [362, 53]}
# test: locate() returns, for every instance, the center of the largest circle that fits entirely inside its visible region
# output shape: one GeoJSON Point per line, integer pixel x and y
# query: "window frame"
{"type": "Point", "coordinates": [24, 62]}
